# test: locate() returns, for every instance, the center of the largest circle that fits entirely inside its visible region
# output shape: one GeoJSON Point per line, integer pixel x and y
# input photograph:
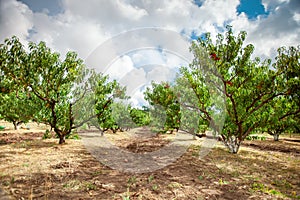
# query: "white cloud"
{"type": "Point", "coordinates": [84, 25]}
{"type": "Point", "coordinates": [273, 4]}
{"type": "Point", "coordinates": [15, 19]}
{"type": "Point", "coordinates": [134, 80]}
{"type": "Point", "coordinates": [161, 73]}
{"type": "Point", "coordinates": [137, 99]}
{"type": "Point", "coordinates": [173, 60]}
{"type": "Point", "coordinates": [130, 11]}
{"type": "Point", "coordinates": [147, 56]}
{"type": "Point", "coordinates": [279, 28]}
{"type": "Point", "coordinates": [120, 68]}
{"type": "Point", "coordinates": [297, 18]}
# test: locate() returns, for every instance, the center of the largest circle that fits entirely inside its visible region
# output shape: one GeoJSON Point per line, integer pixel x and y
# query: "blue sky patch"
{"type": "Point", "coordinates": [53, 6]}
{"type": "Point", "coordinates": [198, 2]}
{"type": "Point", "coordinates": [194, 36]}
{"type": "Point", "coordinates": [252, 8]}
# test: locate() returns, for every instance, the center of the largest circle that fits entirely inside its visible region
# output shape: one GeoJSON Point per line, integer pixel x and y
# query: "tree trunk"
{"type": "Point", "coordinates": [276, 137]}
{"type": "Point", "coordinates": [15, 125]}
{"type": "Point", "coordinates": [62, 139]}
{"type": "Point", "coordinates": [233, 144]}
{"type": "Point", "coordinates": [234, 148]}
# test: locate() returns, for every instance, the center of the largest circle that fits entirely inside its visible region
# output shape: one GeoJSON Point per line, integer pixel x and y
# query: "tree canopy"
{"type": "Point", "coordinates": [249, 85]}
{"type": "Point", "coordinates": [164, 100]}
{"type": "Point", "coordinates": [62, 85]}
{"type": "Point", "coordinates": [224, 89]}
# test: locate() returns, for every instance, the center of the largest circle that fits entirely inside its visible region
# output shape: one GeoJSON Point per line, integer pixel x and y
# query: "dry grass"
{"type": "Point", "coordinates": [31, 168]}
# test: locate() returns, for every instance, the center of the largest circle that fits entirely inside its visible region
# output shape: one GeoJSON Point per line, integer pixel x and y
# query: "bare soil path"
{"type": "Point", "coordinates": [142, 151]}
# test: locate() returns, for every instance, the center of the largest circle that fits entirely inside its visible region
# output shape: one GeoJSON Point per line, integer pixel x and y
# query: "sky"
{"type": "Point", "coordinates": [134, 53]}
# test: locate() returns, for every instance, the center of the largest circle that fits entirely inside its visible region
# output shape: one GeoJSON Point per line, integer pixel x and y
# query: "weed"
{"type": "Point", "coordinates": [150, 178]}
{"type": "Point", "coordinates": [73, 136]}
{"type": "Point", "coordinates": [195, 153]}
{"type": "Point", "coordinates": [72, 184]}
{"type": "Point", "coordinates": [282, 184]}
{"type": "Point", "coordinates": [154, 187]}
{"type": "Point", "coordinates": [47, 135]}
{"type": "Point", "coordinates": [196, 147]}
{"type": "Point", "coordinates": [251, 178]}
{"type": "Point", "coordinates": [294, 195]}
{"type": "Point", "coordinates": [127, 195]}
{"type": "Point", "coordinates": [275, 192]}
{"type": "Point", "coordinates": [25, 165]}
{"type": "Point", "coordinates": [200, 177]}
{"type": "Point", "coordinates": [5, 183]}
{"type": "Point", "coordinates": [23, 144]}
{"type": "Point", "coordinates": [223, 182]}
{"type": "Point", "coordinates": [77, 184]}
{"type": "Point", "coordinates": [132, 181]}
{"type": "Point", "coordinates": [200, 198]}
{"type": "Point", "coordinates": [96, 173]}
{"type": "Point", "coordinates": [261, 187]}
{"type": "Point", "coordinates": [236, 174]}
{"type": "Point", "coordinates": [258, 187]}
{"type": "Point", "coordinates": [90, 186]}
{"type": "Point", "coordinates": [175, 185]}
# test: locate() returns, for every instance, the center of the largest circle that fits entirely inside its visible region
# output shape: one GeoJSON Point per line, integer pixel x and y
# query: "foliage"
{"type": "Point", "coordinates": [121, 116]}
{"type": "Point", "coordinates": [192, 120]}
{"type": "Point", "coordinates": [140, 117]}
{"type": "Point", "coordinates": [164, 96]}
{"type": "Point", "coordinates": [248, 85]}
{"type": "Point", "coordinates": [47, 135]}
{"type": "Point", "coordinates": [60, 85]}
{"type": "Point", "coordinates": [41, 72]}
{"type": "Point", "coordinates": [255, 137]}
{"type": "Point", "coordinates": [283, 112]}
{"type": "Point", "coordinates": [223, 88]}
{"type": "Point", "coordinates": [100, 103]}
{"type": "Point", "coordinates": [18, 107]}
{"type": "Point", "coordinates": [73, 136]}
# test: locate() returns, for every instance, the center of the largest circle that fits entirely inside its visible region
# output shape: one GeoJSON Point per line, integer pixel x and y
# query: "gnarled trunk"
{"type": "Point", "coordinates": [15, 125]}
{"type": "Point", "coordinates": [61, 135]}
{"type": "Point", "coordinates": [62, 139]}
{"type": "Point", "coordinates": [232, 143]}
{"type": "Point", "coordinates": [276, 137]}
{"type": "Point", "coordinates": [234, 148]}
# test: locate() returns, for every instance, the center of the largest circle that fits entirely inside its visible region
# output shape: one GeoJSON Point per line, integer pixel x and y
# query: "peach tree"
{"type": "Point", "coordinates": [66, 87]}
{"type": "Point", "coordinates": [248, 85]}
{"type": "Point", "coordinates": [283, 113]}
{"type": "Point", "coordinates": [164, 101]}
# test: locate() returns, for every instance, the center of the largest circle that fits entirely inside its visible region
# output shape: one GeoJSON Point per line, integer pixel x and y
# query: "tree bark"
{"type": "Point", "coordinates": [15, 125]}
{"type": "Point", "coordinates": [233, 144]}
{"type": "Point", "coordinates": [276, 137]}
{"type": "Point", "coordinates": [62, 139]}
{"type": "Point", "coordinates": [234, 147]}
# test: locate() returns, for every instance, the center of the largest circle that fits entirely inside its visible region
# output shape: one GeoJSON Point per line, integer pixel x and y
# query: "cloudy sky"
{"type": "Point", "coordinates": [119, 36]}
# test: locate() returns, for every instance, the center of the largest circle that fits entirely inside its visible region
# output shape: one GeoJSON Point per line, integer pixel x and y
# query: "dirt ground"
{"type": "Point", "coordinates": [32, 168]}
